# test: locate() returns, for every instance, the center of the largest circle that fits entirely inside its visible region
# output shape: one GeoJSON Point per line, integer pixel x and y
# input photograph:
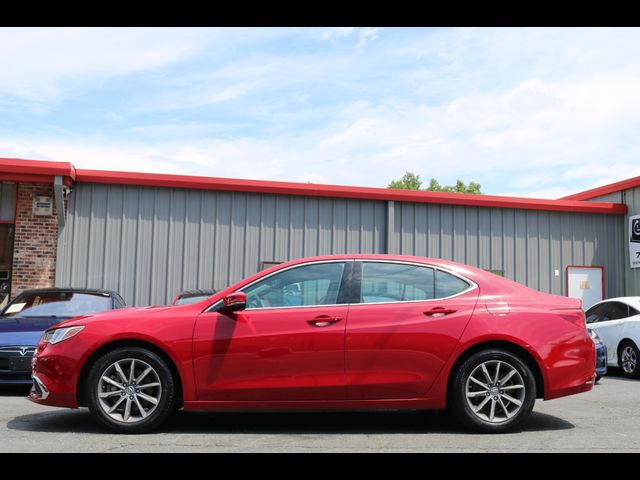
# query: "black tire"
{"type": "Point", "coordinates": [629, 366]}
{"type": "Point", "coordinates": [461, 408]}
{"type": "Point", "coordinates": [165, 406]}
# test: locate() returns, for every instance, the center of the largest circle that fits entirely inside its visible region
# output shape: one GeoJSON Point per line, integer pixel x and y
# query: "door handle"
{"type": "Point", "coordinates": [439, 312]}
{"type": "Point", "coordinates": [323, 321]}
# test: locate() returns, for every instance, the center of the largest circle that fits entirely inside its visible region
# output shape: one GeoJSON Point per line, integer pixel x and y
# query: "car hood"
{"type": "Point", "coordinates": [24, 330]}
{"type": "Point", "coordinates": [130, 313]}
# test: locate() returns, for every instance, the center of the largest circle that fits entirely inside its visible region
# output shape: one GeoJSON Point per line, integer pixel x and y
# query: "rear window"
{"type": "Point", "coordinates": [58, 304]}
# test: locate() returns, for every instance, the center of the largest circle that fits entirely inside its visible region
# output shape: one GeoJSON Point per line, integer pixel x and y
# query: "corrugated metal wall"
{"type": "Point", "coordinates": [150, 243]}
{"type": "Point", "coordinates": [631, 198]}
{"type": "Point", "coordinates": [7, 201]}
{"type": "Point", "coordinates": [528, 246]}
{"type": "Point", "coordinates": [632, 275]}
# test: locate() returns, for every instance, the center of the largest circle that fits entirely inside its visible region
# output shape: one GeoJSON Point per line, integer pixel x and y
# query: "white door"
{"type": "Point", "coordinates": [586, 284]}
{"type": "Point", "coordinates": [608, 319]}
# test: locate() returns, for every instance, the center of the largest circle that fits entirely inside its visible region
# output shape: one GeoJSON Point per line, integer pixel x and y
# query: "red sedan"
{"type": "Point", "coordinates": [333, 332]}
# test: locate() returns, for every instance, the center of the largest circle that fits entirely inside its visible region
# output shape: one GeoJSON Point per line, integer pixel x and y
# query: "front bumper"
{"type": "Point", "coordinates": [54, 377]}
{"type": "Point", "coordinates": [15, 365]}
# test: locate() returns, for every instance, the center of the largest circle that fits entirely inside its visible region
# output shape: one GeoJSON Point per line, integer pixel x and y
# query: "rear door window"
{"type": "Point", "coordinates": [396, 282]}
{"type": "Point", "coordinates": [614, 311]}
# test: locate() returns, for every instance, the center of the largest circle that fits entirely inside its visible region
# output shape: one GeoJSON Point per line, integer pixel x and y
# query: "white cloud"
{"type": "Point", "coordinates": [336, 32]}
{"type": "Point", "coordinates": [533, 112]}
{"type": "Point", "coordinates": [44, 64]}
{"type": "Point", "coordinates": [366, 35]}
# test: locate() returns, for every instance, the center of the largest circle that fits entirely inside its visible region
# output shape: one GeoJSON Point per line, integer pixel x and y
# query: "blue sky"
{"type": "Point", "coordinates": [539, 112]}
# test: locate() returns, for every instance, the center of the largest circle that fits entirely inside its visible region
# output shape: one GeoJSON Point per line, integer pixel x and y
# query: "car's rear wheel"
{"type": "Point", "coordinates": [493, 391]}
{"type": "Point", "coordinates": [629, 356]}
{"type": "Point", "coordinates": [130, 390]}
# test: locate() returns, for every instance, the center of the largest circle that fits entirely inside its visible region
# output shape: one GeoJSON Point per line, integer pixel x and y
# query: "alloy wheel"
{"type": "Point", "coordinates": [495, 391]}
{"type": "Point", "coordinates": [629, 359]}
{"type": "Point", "coordinates": [129, 390]}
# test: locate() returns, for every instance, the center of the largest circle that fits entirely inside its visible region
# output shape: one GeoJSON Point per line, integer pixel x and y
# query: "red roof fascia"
{"type": "Point", "coordinates": [35, 171]}
{"type": "Point", "coordinates": [605, 189]}
{"type": "Point", "coordinates": [320, 190]}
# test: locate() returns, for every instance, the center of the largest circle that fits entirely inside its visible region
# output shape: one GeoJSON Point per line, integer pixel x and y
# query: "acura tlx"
{"type": "Point", "coordinates": [332, 332]}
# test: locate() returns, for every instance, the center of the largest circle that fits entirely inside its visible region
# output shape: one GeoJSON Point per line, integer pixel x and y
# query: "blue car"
{"type": "Point", "coordinates": [24, 319]}
{"type": "Point", "coordinates": [601, 355]}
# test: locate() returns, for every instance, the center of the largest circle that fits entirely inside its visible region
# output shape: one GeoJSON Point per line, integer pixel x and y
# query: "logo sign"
{"type": "Point", "coordinates": [634, 241]}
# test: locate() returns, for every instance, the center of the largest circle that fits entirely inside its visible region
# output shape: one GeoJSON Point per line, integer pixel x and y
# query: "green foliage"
{"type": "Point", "coordinates": [411, 181]}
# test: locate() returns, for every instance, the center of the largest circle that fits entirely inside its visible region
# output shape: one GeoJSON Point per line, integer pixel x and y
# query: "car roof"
{"type": "Point", "coordinates": [632, 301]}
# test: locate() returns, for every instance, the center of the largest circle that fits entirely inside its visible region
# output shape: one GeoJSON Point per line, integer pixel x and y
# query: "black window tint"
{"type": "Point", "coordinates": [594, 314]}
{"type": "Point", "coordinates": [316, 284]}
{"type": "Point", "coordinates": [448, 285]}
{"type": "Point", "coordinates": [633, 311]}
{"type": "Point", "coordinates": [614, 311]}
{"type": "Point", "coordinates": [395, 282]}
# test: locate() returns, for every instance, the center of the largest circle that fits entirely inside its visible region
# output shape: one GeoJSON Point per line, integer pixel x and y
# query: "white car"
{"type": "Point", "coordinates": [617, 323]}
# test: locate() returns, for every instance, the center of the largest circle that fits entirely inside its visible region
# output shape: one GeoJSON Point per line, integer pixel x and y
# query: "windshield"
{"type": "Point", "coordinates": [57, 304]}
{"type": "Point", "coordinates": [188, 300]}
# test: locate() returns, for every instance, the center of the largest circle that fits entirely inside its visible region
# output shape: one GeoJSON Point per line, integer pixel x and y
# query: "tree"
{"type": "Point", "coordinates": [411, 181]}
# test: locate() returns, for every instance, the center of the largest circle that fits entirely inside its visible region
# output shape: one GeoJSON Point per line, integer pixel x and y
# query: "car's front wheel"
{"type": "Point", "coordinates": [629, 357]}
{"type": "Point", "coordinates": [130, 390]}
{"type": "Point", "coordinates": [493, 391]}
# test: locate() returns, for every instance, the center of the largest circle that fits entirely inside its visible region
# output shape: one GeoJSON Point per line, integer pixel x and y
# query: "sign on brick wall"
{"type": "Point", "coordinates": [42, 206]}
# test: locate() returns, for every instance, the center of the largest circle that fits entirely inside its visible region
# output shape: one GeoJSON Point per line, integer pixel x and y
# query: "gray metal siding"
{"type": "Point", "coordinates": [150, 243]}
{"type": "Point", "coordinates": [630, 276]}
{"type": "Point", "coordinates": [527, 245]}
{"type": "Point", "coordinates": [7, 201]}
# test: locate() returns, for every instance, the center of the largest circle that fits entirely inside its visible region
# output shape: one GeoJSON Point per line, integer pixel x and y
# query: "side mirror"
{"type": "Point", "coordinates": [234, 302]}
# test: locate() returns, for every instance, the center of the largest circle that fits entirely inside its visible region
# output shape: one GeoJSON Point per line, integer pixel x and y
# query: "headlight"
{"type": "Point", "coordinates": [59, 334]}
{"type": "Point", "coordinates": [594, 336]}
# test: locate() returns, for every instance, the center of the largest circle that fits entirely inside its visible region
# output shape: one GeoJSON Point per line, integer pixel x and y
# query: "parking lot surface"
{"type": "Point", "coordinates": [606, 418]}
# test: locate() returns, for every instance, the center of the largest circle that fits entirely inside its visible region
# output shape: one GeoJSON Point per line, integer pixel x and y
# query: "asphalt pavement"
{"type": "Point", "coordinates": [598, 421]}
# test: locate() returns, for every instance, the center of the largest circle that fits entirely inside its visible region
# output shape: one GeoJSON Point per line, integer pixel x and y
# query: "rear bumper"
{"type": "Point", "coordinates": [570, 366]}
{"type": "Point", "coordinates": [601, 359]}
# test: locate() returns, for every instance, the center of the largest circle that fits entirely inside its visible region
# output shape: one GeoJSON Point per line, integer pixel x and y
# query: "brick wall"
{"type": "Point", "coordinates": [35, 242]}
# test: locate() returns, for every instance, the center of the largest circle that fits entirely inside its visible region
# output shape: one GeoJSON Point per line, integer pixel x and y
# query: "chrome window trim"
{"type": "Point", "coordinates": [343, 260]}
{"type": "Point", "coordinates": [472, 285]}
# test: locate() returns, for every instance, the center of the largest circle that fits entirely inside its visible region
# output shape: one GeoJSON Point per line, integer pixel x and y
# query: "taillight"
{"type": "Point", "coordinates": [571, 315]}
